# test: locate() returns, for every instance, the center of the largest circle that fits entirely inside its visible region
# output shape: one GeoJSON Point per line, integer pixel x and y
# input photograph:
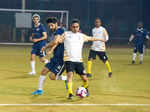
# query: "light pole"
{"type": "Point", "coordinates": [23, 30]}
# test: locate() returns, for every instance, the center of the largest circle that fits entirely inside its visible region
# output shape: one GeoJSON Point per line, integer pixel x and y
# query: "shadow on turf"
{"type": "Point", "coordinates": [63, 99]}
{"type": "Point", "coordinates": [130, 64]}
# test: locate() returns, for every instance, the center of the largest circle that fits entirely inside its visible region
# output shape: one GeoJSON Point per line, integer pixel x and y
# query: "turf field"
{"type": "Point", "coordinates": [130, 84]}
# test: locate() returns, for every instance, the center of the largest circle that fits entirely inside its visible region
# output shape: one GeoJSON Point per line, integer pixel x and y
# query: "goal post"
{"type": "Point", "coordinates": [16, 24]}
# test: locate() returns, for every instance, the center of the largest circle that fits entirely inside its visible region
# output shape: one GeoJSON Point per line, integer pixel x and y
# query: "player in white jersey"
{"type": "Point", "coordinates": [98, 47]}
{"type": "Point", "coordinates": [73, 44]}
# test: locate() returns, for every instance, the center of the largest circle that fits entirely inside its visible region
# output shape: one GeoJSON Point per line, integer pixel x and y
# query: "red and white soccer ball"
{"type": "Point", "coordinates": [81, 92]}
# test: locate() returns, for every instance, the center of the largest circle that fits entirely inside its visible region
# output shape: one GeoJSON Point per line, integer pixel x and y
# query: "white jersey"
{"type": "Point", "coordinates": [99, 33]}
{"type": "Point", "coordinates": [73, 45]}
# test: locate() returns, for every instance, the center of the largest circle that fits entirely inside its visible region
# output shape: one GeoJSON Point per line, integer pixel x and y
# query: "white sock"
{"type": "Point", "coordinates": [134, 56]}
{"type": "Point", "coordinates": [33, 66]}
{"type": "Point", "coordinates": [46, 61]}
{"type": "Point", "coordinates": [41, 82]}
{"type": "Point", "coordinates": [141, 57]}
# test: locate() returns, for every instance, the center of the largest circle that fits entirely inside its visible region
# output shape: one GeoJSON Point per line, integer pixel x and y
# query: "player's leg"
{"type": "Point", "coordinates": [79, 68]}
{"type": "Point", "coordinates": [134, 54]}
{"type": "Point", "coordinates": [140, 49]}
{"type": "Point", "coordinates": [32, 63]}
{"type": "Point", "coordinates": [42, 78]}
{"type": "Point", "coordinates": [104, 58]}
{"type": "Point", "coordinates": [69, 69]}
{"type": "Point", "coordinates": [43, 60]}
{"type": "Point", "coordinates": [56, 71]}
{"type": "Point", "coordinates": [42, 57]}
{"type": "Point", "coordinates": [92, 56]}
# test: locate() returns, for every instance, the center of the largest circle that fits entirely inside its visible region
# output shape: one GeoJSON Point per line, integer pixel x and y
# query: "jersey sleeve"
{"type": "Point", "coordinates": [86, 38]}
{"type": "Point", "coordinates": [43, 28]}
{"type": "Point", "coordinates": [92, 32]}
{"type": "Point", "coordinates": [134, 33]}
{"type": "Point", "coordinates": [145, 32]}
{"type": "Point", "coordinates": [60, 31]}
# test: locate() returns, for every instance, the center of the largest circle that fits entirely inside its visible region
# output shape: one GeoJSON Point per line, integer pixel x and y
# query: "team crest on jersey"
{"type": "Point", "coordinates": [37, 29]}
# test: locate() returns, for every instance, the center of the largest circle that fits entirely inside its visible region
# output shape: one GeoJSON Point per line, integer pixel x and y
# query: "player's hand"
{"type": "Point", "coordinates": [48, 53]}
{"type": "Point", "coordinates": [31, 39]}
{"type": "Point", "coordinates": [129, 43]}
{"type": "Point", "coordinates": [35, 40]}
{"type": "Point", "coordinates": [43, 49]}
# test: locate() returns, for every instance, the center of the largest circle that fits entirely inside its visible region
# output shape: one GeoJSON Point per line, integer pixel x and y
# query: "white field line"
{"type": "Point", "coordinates": [75, 105]}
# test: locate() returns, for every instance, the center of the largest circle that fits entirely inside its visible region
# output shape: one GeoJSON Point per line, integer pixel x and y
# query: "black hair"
{"type": "Point", "coordinates": [52, 20]}
{"type": "Point", "coordinates": [75, 21]}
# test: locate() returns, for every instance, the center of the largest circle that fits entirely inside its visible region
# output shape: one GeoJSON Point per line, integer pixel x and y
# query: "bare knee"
{"type": "Point", "coordinates": [52, 76]}
{"type": "Point", "coordinates": [84, 77]}
{"type": "Point", "coordinates": [33, 57]}
{"type": "Point", "coordinates": [45, 71]}
{"type": "Point", "coordinates": [42, 60]}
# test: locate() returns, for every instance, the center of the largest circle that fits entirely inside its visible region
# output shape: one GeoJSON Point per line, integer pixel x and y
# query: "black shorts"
{"type": "Point", "coordinates": [77, 67]}
{"type": "Point", "coordinates": [102, 55]}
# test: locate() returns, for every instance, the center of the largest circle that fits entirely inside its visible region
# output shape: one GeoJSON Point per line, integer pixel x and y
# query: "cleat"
{"type": "Point", "coordinates": [133, 62]}
{"type": "Point", "coordinates": [141, 62]}
{"type": "Point", "coordinates": [32, 73]}
{"type": "Point", "coordinates": [37, 92]}
{"type": "Point", "coordinates": [70, 96]}
{"type": "Point", "coordinates": [110, 74]}
{"type": "Point", "coordinates": [89, 75]}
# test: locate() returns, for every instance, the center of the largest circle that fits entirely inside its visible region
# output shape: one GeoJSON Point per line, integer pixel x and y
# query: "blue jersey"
{"type": "Point", "coordinates": [38, 33]}
{"type": "Point", "coordinates": [140, 36]}
{"type": "Point", "coordinates": [58, 53]}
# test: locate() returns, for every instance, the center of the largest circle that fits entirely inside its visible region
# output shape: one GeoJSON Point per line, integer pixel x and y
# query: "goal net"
{"type": "Point", "coordinates": [16, 24]}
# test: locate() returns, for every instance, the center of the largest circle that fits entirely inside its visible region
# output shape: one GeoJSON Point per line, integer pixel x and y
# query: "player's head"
{"type": "Point", "coordinates": [52, 23]}
{"type": "Point", "coordinates": [75, 26]}
{"type": "Point", "coordinates": [36, 18]}
{"type": "Point", "coordinates": [98, 22]}
{"type": "Point", "coordinates": [140, 24]}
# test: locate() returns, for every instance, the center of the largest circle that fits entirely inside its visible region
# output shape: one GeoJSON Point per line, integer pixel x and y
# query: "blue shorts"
{"type": "Point", "coordinates": [138, 48]}
{"type": "Point", "coordinates": [37, 51]}
{"type": "Point", "coordinates": [55, 66]}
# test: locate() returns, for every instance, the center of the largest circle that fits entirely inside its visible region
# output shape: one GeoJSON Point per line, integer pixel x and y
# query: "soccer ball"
{"type": "Point", "coordinates": [81, 92]}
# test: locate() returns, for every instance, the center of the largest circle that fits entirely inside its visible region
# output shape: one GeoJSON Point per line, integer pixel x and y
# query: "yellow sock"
{"type": "Point", "coordinates": [85, 84]}
{"type": "Point", "coordinates": [69, 88]}
{"type": "Point", "coordinates": [108, 66]}
{"type": "Point", "coordinates": [89, 67]}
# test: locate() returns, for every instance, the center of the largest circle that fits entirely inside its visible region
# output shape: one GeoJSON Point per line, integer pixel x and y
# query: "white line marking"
{"type": "Point", "coordinates": [75, 105]}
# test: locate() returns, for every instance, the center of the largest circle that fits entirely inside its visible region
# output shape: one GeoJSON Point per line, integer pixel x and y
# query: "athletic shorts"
{"type": "Point", "coordinates": [37, 51]}
{"type": "Point", "coordinates": [77, 67]}
{"type": "Point", "coordinates": [102, 55]}
{"type": "Point", "coordinates": [57, 67]}
{"type": "Point", "coordinates": [139, 48]}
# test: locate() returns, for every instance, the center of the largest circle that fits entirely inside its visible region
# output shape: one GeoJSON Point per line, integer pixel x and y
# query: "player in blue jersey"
{"type": "Point", "coordinates": [38, 38]}
{"type": "Point", "coordinates": [138, 38]}
{"type": "Point", "coordinates": [56, 64]}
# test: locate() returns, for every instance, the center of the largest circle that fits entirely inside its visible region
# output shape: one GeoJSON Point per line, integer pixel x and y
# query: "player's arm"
{"type": "Point", "coordinates": [59, 39]}
{"type": "Point", "coordinates": [52, 45]}
{"type": "Point", "coordinates": [88, 38]}
{"type": "Point", "coordinates": [44, 37]}
{"type": "Point", "coordinates": [31, 37]}
{"type": "Point", "coordinates": [106, 36]}
{"type": "Point", "coordinates": [147, 37]}
{"type": "Point", "coordinates": [131, 38]}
